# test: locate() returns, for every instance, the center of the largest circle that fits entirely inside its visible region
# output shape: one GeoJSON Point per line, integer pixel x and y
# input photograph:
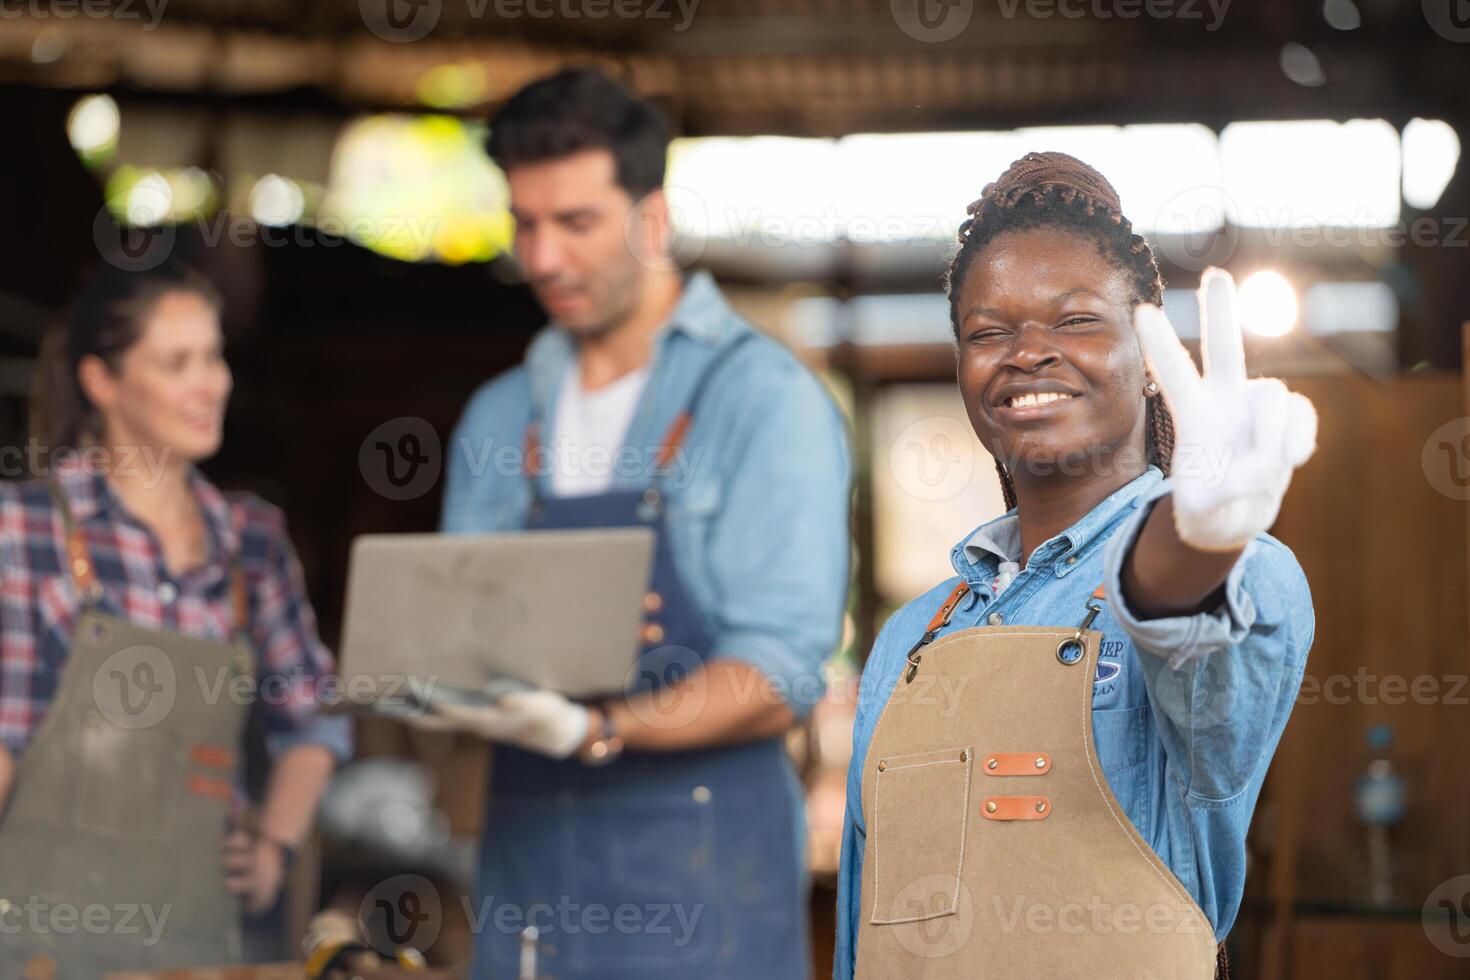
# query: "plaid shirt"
{"type": "Point", "coordinates": [39, 602]}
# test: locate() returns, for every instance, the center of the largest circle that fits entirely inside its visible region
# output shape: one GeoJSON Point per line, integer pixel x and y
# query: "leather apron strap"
{"type": "Point", "coordinates": [673, 439]}
{"type": "Point", "coordinates": [83, 570]}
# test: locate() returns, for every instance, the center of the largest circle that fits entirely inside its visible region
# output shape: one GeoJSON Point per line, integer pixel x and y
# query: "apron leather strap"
{"type": "Point", "coordinates": [84, 571]}
{"type": "Point", "coordinates": [673, 439]}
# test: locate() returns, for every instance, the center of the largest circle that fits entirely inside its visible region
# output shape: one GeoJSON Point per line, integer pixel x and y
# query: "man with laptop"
{"type": "Point", "coordinates": [657, 831]}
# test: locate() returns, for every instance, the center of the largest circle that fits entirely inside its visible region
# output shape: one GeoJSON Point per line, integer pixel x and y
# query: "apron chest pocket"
{"type": "Point", "coordinates": [916, 841]}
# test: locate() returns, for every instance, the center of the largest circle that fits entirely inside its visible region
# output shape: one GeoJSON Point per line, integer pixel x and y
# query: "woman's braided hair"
{"type": "Point", "coordinates": [1059, 191]}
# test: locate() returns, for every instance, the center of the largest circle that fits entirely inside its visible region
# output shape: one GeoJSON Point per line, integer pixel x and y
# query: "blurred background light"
{"type": "Point", "coordinates": [276, 201]}
{"type": "Point", "coordinates": [93, 125]}
{"type": "Point", "coordinates": [1431, 150]}
{"type": "Point", "coordinates": [1300, 65]}
{"type": "Point", "coordinates": [417, 188]}
{"type": "Point", "coordinates": [1349, 307]}
{"type": "Point", "coordinates": [1311, 173]}
{"type": "Point", "coordinates": [1268, 304]}
{"type": "Point", "coordinates": [1341, 15]}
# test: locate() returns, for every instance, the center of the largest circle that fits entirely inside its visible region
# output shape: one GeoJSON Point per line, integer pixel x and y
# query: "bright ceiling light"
{"type": "Point", "coordinates": [1267, 304]}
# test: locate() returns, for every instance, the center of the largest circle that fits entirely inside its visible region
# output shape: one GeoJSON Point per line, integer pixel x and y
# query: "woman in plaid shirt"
{"type": "Point", "coordinates": [135, 388]}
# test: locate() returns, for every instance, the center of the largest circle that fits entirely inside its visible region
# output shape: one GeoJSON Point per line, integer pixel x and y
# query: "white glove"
{"type": "Point", "coordinates": [1236, 440]}
{"type": "Point", "coordinates": [538, 721]}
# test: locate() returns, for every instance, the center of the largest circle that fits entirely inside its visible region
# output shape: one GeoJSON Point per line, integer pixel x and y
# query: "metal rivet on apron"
{"type": "Point", "coordinates": [1040, 806]}
{"type": "Point", "coordinates": [882, 765]}
{"type": "Point", "coordinates": [649, 507]}
{"type": "Point", "coordinates": [653, 602]}
{"type": "Point", "coordinates": [652, 633]}
{"type": "Point", "coordinates": [1040, 763]}
{"type": "Point", "coordinates": [996, 619]}
{"type": "Point", "coordinates": [990, 807]}
{"type": "Point", "coordinates": [701, 794]}
{"type": "Point", "coordinates": [964, 756]}
{"type": "Point", "coordinates": [991, 763]}
{"type": "Point", "coordinates": [1069, 651]}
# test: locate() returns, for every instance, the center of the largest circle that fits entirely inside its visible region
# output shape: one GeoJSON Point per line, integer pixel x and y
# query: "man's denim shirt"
{"type": "Point", "coordinates": [1187, 710]}
{"type": "Point", "coordinates": [757, 495]}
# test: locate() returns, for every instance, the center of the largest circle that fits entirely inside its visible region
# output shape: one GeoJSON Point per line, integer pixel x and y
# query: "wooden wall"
{"type": "Point", "coordinates": [1384, 548]}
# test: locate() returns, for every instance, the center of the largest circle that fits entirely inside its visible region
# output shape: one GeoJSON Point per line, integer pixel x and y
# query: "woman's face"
{"type": "Point", "coordinates": [1049, 367]}
{"type": "Point", "coordinates": [171, 386]}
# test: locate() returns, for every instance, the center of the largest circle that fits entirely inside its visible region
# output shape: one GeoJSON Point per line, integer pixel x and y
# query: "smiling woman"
{"type": "Point", "coordinates": [1159, 606]}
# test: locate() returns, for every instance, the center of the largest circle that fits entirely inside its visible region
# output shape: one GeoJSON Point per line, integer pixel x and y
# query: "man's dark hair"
{"type": "Point", "coordinates": [582, 109]}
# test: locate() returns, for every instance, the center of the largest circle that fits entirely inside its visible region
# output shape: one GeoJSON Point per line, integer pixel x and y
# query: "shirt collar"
{"type": "Point", "coordinates": [700, 314]}
{"type": "Point", "coordinates": [89, 496]}
{"type": "Point", "coordinates": [1000, 539]}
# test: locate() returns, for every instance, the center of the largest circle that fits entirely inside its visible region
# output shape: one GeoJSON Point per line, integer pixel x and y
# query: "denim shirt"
{"type": "Point", "coordinates": [1186, 710]}
{"type": "Point", "coordinates": [757, 494]}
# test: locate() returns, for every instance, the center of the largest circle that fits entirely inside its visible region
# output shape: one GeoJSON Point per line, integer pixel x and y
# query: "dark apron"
{"type": "Point", "coordinates": [658, 865]}
{"type": "Point", "coordinates": [121, 802]}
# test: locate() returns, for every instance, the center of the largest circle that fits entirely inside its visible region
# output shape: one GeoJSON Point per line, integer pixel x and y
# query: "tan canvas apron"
{"type": "Point", "coordinates": [995, 847]}
{"type": "Point", "coordinates": [110, 845]}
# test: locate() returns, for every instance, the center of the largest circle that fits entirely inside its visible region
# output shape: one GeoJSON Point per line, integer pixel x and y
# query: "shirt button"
{"type": "Point", "coordinates": [167, 592]}
{"type": "Point", "coordinates": [996, 619]}
{"type": "Point", "coordinates": [1071, 559]}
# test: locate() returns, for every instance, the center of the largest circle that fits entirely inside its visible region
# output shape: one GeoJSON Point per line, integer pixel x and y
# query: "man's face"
{"type": "Point", "coordinates": [572, 239]}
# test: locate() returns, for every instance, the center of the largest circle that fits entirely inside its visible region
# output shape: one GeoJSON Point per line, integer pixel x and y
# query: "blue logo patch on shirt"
{"type": "Point", "coordinates": [1109, 666]}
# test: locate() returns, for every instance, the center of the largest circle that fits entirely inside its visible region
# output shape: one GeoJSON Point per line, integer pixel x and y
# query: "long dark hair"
{"type": "Point", "coordinates": [106, 318]}
{"type": "Point", "coordinates": [1056, 190]}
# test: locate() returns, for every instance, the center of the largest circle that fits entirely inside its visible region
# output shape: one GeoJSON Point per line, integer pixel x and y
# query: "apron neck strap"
{"type": "Point", "coordinates": [673, 439]}
{"type": "Point", "coordinates": [84, 572]}
{"type": "Point", "coordinates": [78, 560]}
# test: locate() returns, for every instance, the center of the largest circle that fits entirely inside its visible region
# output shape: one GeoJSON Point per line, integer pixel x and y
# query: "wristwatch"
{"type": "Point", "coordinates": [607, 746]}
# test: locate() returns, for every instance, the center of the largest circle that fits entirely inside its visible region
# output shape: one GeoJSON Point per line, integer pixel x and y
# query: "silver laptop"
{"type": "Point", "coordinates": [457, 615]}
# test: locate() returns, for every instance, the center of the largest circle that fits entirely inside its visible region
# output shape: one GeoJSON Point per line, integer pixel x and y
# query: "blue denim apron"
{"type": "Point", "coordinates": [659, 865]}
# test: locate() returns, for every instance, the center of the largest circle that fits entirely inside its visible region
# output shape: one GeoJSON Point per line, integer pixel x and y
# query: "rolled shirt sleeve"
{"type": "Point", "coordinates": [1221, 682]}
{"type": "Point", "coordinates": [778, 544]}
